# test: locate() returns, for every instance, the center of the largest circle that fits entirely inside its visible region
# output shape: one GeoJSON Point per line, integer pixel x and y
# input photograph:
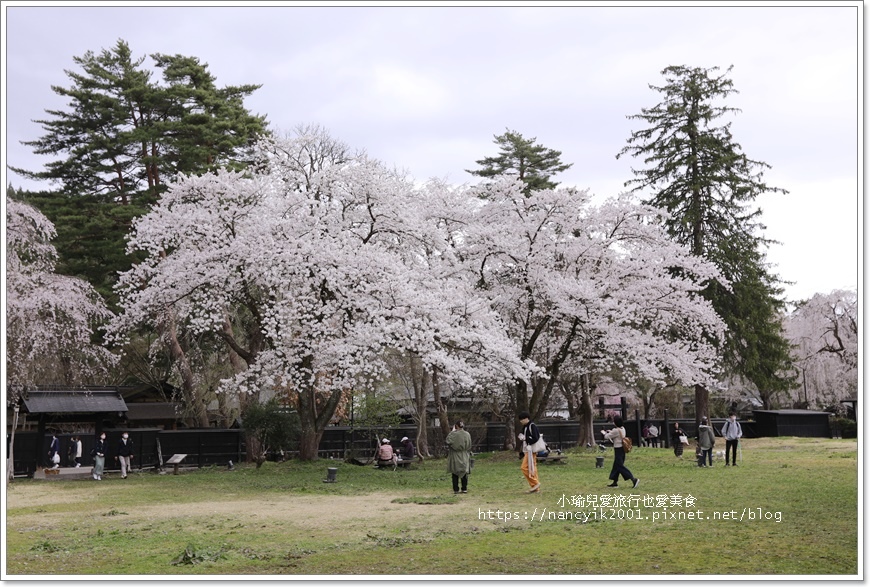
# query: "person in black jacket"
{"type": "Point", "coordinates": [529, 436]}
{"type": "Point", "coordinates": [99, 454]}
{"type": "Point", "coordinates": [407, 451]}
{"type": "Point", "coordinates": [125, 454]}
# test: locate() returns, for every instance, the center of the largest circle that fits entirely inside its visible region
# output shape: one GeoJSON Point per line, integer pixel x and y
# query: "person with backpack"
{"type": "Point", "coordinates": [732, 433]}
{"type": "Point", "coordinates": [617, 435]}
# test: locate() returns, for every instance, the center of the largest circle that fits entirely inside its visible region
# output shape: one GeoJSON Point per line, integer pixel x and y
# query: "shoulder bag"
{"type": "Point", "coordinates": [626, 444]}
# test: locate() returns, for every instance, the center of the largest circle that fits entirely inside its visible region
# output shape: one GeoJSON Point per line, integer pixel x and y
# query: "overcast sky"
{"type": "Point", "coordinates": [425, 89]}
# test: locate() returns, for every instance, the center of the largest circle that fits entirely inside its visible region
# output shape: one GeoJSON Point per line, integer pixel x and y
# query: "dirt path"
{"type": "Point", "coordinates": [354, 515]}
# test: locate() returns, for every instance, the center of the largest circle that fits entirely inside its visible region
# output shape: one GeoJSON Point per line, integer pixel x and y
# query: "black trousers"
{"type": "Point", "coordinates": [456, 479]}
{"type": "Point", "coordinates": [731, 446]}
{"type": "Point", "coordinates": [619, 465]}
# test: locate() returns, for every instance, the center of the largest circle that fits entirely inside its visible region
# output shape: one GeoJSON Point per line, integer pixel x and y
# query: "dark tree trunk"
{"type": "Point", "coordinates": [586, 414]}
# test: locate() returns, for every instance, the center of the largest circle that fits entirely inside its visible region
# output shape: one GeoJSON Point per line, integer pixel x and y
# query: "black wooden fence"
{"type": "Point", "coordinates": [204, 447]}
{"type": "Point", "coordinates": [151, 447]}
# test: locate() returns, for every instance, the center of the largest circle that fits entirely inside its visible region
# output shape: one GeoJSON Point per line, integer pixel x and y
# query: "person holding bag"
{"type": "Point", "coordinates": [54, 452]}
{"type": "Point", "coordinates": [533, 443]}
{"type": "Point", "coordinates": [617, 435]}
{"type": "Point", "coordinates": [679, 440]}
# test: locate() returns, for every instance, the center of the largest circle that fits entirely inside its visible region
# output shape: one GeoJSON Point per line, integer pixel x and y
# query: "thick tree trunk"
{"type": "Point", "coordinates": [702, 403]}
{"type": "Point", "coordinates": [188, 382]}
{"type": "Point", "coordinates": [443, 422]}
{"type": "Point", "coordinates": [586, 413]}
{"type": "Point", "coordinates": [418, 382]}
{"type": "Point", "coordinates": [314, 418]}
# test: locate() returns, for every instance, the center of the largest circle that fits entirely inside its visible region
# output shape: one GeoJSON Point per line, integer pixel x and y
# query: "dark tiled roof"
{"type": "Point", "coordinates": [74, 401]}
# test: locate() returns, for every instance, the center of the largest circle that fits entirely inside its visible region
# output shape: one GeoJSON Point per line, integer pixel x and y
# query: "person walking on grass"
{"type": "Point", "coordinates": [732, 433]}
{"type": "Point", "coordinates": [76, 451]}
{"type": "Point", "coordinates": [99, 453]}
{"type": "Point", "coordinates": [529, 436]}
{"type": "Point", "coordinates": [125, 454]}
{"type": "Point", "coordinates": [459, 456]}
{"type": "Point", "coordinates": [616, 434]}
{"type": "Point", "coordinates": [706, 442]}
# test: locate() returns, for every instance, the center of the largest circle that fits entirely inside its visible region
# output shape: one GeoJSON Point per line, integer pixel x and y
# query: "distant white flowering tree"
{"type": "Point", "coordinates": [590, 288]}
{"type": "Point", "coordinates": [824, 333]}
{"type": "Point", "coordinates": [51, 319]}
{"type": "Point", "coordinates": [320, 274]}
{"type": "Point", "coordinates": [315, 276]}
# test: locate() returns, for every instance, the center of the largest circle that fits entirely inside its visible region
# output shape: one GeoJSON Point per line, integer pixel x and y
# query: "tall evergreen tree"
{"type": "Point", "coordinates": [121, 140]}
{"type": "Point", "coordinates": [533, 164]}
{"type": "Point", "coordinates": [699, 174]}
{"type": "Point", "coordinates": [124, 135]}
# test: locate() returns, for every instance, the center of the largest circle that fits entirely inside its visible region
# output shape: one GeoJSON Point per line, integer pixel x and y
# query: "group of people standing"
{"type": "Point", "coordinates": [458, 443]}
{"type": "Point", "coordinates": [706, 437]}
{"type": "Point", "coordinates": [459, 449]}
{"type": "Point", "coordinates": [123, 454]}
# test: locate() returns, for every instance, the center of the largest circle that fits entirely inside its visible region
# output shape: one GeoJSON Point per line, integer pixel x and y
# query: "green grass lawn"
{"type": "Point", "coordinates": [797, 498]}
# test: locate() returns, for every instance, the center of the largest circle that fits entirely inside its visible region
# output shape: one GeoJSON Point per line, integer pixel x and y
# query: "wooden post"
{"type": "Point", "coordinates": [40, 437]}
{"type": "Point", "coordinates": [11, 456]}
{"type": "Point", "coordinates": [667, 430]}
{"type": "Point", "coordinates": [638, 428]}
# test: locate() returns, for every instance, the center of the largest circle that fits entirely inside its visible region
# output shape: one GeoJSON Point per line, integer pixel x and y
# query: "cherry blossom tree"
{"type": "Point", "coordinates": [328, 271]}
{"type": "Point", "coordinates": [824, 333]}
{"type": "Point", "coordinates": [51, 319]}
{"type": "Point", "coordinates": [591, 288]}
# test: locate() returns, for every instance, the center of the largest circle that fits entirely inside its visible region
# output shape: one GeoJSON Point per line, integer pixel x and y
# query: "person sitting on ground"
{"type": "Point", "coordinates": [407, 452]}
{"type": "Point", "coordinates": [385, 452]}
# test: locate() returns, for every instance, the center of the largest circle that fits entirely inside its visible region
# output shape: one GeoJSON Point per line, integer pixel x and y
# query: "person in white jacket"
{"type": "Point", "coordinates": [732, 432]}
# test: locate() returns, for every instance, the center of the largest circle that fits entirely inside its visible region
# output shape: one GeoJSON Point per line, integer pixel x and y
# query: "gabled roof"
{"type": "Point", "coordinates": [74, 401]}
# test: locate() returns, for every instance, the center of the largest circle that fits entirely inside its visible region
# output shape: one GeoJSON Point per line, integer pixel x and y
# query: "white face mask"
{"type": "Point", "coordinates": [125, 437]}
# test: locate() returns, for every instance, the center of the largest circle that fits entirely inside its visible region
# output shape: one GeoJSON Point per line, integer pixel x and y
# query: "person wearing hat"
{"type": "Point", "coordinates": [407, 451]}
{"type": "Point", "coordinates": [385, 453]}
{"type": "Point", "coordinates": [706, 441]}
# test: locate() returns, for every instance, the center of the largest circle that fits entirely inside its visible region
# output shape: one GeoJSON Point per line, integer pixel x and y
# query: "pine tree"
{"type": "Point", "coordinates": [125, 136]}
{"type": "Point", "coordinates": [121, 140]}
{"type": "Point", "coordinates": [699, 174]}
{"type": "Point", "coordinates": [533, 164]}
